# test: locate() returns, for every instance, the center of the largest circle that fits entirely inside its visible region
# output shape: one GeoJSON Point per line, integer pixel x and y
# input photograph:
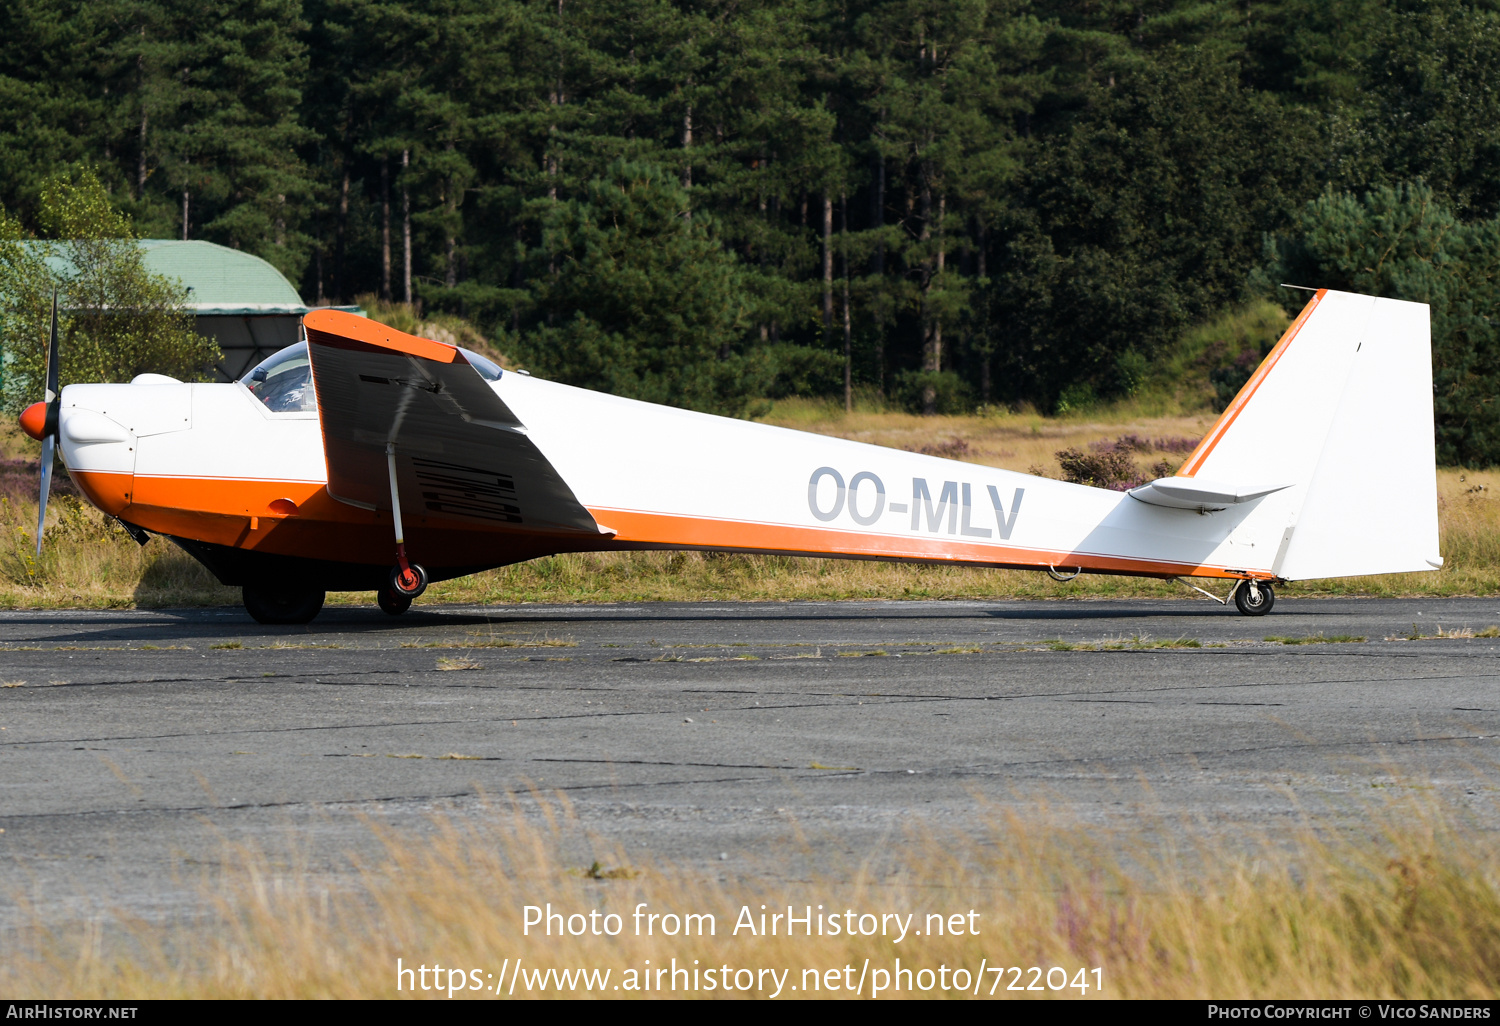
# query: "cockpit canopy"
{"type": "Point", "coordinates": [488, 369]}
{"type": "Point", "coordinates": [283, 380]}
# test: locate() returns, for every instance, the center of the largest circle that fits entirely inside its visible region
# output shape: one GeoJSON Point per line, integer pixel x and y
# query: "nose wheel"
{"type": "Point", "coordinates": [1254, 598]}
{"type": "Point", "coordinates": [407, 581]}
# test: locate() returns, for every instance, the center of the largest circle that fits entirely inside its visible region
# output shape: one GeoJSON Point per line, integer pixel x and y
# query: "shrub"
{"type": "Point", "coordinates": [1177, 444]}
{"type": "Point", "coordinates": [1112, 465]}
{"type": "Point", "coordinates": [952, 392]}
{"type": "Point", "coordinates": [116, 320]}
{"type": "Point", "coordinates": [953, 449]}
{"type": "Point", "coordinates": [801, 371]}
{"type": "Point", "coordinates": [1228, 381]}
{"type": "Point", "coordinates": [1076, 397]}
{"type": "Point", "coordinates": [1107, 467]}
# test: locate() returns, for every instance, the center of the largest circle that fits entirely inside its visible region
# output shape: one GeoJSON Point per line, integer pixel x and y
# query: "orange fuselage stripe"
{"type": "Point", "coordinates": [219, 510]}
{"type": "Point", "coordinates": [640, 529]}
{"type": "Point", "coordinates": [251, 514]}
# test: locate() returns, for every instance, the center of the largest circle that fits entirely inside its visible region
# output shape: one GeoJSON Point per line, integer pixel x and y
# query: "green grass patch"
{"type": "Point", "coordinates": [1183, 378]}
{"type": "Point", "coordinates": [1315, 639]}
{"type": "Point", "coordinates": [1140, 642]}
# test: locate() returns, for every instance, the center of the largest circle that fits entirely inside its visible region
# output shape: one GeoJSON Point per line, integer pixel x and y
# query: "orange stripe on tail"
{"type": "Point", "coordinates": [1226, 419]}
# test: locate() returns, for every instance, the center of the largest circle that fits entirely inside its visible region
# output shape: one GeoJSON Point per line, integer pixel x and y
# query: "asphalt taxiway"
{"type": "Point", "coordinates": [136, 743]}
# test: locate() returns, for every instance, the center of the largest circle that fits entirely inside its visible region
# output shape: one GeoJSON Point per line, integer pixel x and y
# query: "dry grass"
{"type": "Point", "coordinates": [1409, 909]}
{"type": "Point", "coordinates": [996, 438]}
{"type": "Point", "coordinates": [1136, 643]}
{"type": "Point", "coordinates": [90, 562]}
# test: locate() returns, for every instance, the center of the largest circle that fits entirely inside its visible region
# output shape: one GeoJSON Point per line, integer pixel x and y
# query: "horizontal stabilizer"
{"type": "Point", "coordinates": [1196, 493]}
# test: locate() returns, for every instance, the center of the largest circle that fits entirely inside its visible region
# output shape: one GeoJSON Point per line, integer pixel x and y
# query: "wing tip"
{"type": "Point", "coordinates": [346, 327]}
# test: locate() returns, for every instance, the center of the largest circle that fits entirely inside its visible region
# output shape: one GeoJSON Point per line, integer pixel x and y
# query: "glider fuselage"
{"type": "Point", "coordinates": [301, 478]}
{"type": "Point", "coordinates": [245, 488]}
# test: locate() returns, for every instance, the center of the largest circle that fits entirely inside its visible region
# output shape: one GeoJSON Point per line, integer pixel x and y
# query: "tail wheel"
{"type": "Point", "coordinates": [408, 582]}
{"type": "Point", "coordinates": [392, 603]}
{"type": "Point", "coordinates": [272, 605]}
{"type": "Point", "coordinates": [1254, 598]}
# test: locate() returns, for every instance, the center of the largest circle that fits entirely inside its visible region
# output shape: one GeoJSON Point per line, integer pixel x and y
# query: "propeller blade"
{"type": "Point", "coordinates": [54, 364]}
{"type": "Point", "coordinates": [49, 447]}
{"type": "Point", "coordinates": [49, 439]}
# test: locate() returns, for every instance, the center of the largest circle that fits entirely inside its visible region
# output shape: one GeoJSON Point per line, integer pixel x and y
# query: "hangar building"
{"type": "Point", "coordinates": [238, 299]}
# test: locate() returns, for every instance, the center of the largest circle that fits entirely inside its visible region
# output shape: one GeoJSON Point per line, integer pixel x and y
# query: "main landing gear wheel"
{"type": "Point", "coordinates": [282, 605]}
{"type": "Point", "coordinates": [1254, 598]}
{"type": "Point", "coordinates": [408, 583]}
{"type": "Point", "coordinates": [391, 602]}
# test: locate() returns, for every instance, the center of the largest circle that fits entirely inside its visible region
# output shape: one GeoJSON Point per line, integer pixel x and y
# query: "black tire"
{"type": "Point", "coordinates": [277, 606]}
{"type": "Point", "coordinates": [1248, 603]}
{"type": "Point", "coordinates": [395, 584]}
{"type": "Point", "coordinates": [392, 603]}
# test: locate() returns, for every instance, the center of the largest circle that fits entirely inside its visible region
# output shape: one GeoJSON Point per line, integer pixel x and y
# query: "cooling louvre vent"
{"type": "Point", "coordinates": [467, 491]}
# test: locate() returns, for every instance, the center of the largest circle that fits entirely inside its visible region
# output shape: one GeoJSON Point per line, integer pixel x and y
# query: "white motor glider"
{"type": "Point", "coordinates": [368, 459]}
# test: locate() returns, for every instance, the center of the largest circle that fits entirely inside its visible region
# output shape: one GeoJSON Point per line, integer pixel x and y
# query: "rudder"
{"type": "Point", "coordinates": [1339, 414]}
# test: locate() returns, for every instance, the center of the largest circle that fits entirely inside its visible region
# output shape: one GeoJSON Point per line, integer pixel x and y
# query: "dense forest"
{"type": "Point", "coordinates": [712, 202]}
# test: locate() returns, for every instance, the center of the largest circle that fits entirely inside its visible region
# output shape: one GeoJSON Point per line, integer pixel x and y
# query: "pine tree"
{"type": "Point", "coordinates": [1405, 243]}
{"type": "Point", "coordinates": [235, 145]}
{"type": "Point", "coordinates": [1435, 111]}
{"type": "Point", "coordinates": [51, 97]}
{"type": "Point", "coordinates": [1144, 217]}
{"type": "Point", "coordinates": [646, 301]}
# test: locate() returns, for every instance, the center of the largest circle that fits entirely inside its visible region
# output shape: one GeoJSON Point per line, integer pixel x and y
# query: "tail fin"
{"type": "Point", "coordinates": [1340, 415]}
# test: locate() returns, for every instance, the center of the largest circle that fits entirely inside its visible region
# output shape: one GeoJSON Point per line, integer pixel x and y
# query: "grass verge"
{"type": "Point", "coordinates": [1409, 908]}
{"type": "Point", "coordinates": [88, 562]}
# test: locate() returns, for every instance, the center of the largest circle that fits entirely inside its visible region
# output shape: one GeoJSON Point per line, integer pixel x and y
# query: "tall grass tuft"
{"type": "Point", "coordinates": [89, 560]}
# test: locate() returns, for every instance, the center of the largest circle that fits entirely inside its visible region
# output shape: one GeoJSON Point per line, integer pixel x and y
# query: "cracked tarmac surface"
{"type": "Point", "coordinates": [134, 744]}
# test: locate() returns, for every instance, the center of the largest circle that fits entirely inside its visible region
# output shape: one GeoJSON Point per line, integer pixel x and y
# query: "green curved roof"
{"type": "Point", "coordinates": [223, 280]}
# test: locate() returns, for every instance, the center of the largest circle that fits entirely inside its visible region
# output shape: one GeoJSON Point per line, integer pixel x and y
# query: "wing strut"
{"type": "Point", "coordinates": [407, 579]}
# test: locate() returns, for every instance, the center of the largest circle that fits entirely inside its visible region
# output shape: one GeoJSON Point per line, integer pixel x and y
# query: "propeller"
{"type": "Point", "coordinates": [40, 422]}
